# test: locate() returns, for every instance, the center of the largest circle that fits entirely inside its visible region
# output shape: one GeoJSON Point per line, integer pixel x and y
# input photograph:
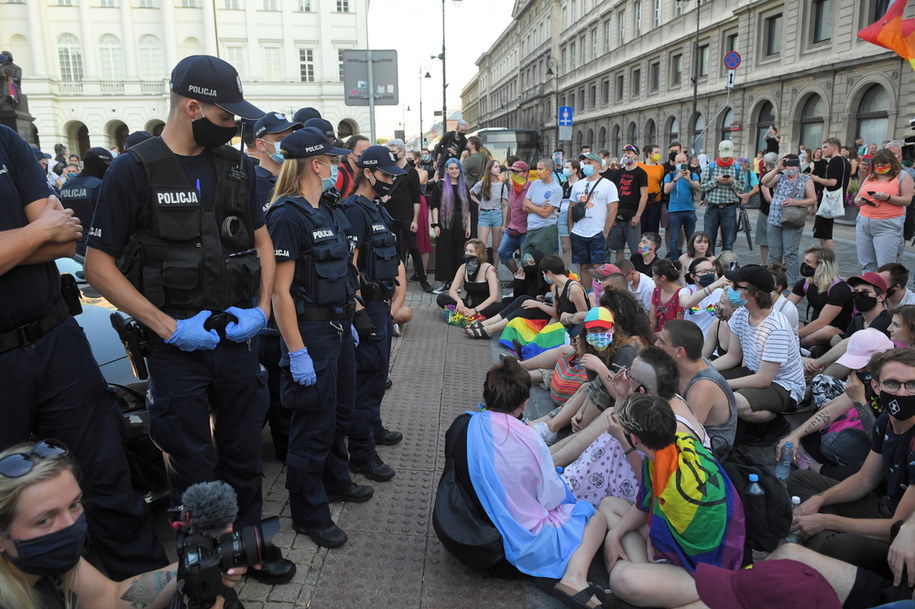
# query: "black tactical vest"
{"type": "Point", "coordinates": [80, 194]}
{"type": "Point", "coordinates": [184, 257]}
{"type": "Point", "coordinates": [323, 273]}
{"type": "Point", "coordinates": [378, 261]}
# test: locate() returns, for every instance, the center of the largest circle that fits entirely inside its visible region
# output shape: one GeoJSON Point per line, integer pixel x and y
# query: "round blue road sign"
{"type": "Point", "coordinates": [731, 60]}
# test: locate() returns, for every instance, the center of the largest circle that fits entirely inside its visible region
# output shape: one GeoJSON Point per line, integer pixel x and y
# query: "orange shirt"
{"type": "Point", "coordinates": [655, 177]}
{"type": "Point", "coordinates": [884, 209]}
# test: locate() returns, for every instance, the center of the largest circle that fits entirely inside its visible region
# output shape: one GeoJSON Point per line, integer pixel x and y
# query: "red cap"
{"type": "Point", "coordinates": [871, 278]}
{"type": "Point", "coordinates": [786, 584]}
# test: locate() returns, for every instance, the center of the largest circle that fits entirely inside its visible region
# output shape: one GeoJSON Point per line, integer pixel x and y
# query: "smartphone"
{"type": "Point", "coordinates": [734, 265]}
{"type": "Point", "coordinates": [792, 162]}
{"type": "Point", "coordinates": [681, 166]}
{"type": "Point", "coordinates": [726, 175]}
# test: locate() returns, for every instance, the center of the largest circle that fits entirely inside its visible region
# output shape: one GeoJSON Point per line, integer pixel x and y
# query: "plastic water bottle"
{"type": "Point", "coordinates": [783, 467]}
{"type": "Point", "coordinates": [795, 533]}
{"type": "Point", "coordinates": [754, 488]}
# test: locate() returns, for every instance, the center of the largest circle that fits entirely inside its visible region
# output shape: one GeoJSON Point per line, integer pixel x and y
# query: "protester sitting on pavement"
{"type": "Point", "coordinates": [665, 298]}
{"type": "Point", "coordinates": [896, 277]}
{"type": "Point", "coordinates": [692, 512]}
{"type": "Point", "coordinates": [835, 440]}
{"type": "Point", "coordinates": [599, 274]}
{"type": "Point", "coordinates": [545, 531]}
{"type": "Point", "coordinates": [829, 297]}
{"type": "Point", "coordinates": [640, 285]}
{"type": "Point", "coordinates": [44, 530]}
{"type": "Point", "coordinates": [647, 255]}
{"type": "Point", "coordinates": [701, 293]}
{"type": "Point", "coordinates": [782, 304]}
{"type": "Point", "coordinates": [902, 328]}
{"type": "Point", "coordinates": [762, 363]}
{"type": "Point", "coordinates": [480, 283]}
{"type": "Point", "coordinates": [697, 246]}
{"type": "Point", "coordinates": [719, 333]}
{"type": "Point", "coordinates": [848, 520]}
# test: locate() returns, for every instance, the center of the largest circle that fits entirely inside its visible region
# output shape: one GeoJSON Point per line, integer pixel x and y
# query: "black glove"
{"type": "Point", "coordinates": [363, 323]}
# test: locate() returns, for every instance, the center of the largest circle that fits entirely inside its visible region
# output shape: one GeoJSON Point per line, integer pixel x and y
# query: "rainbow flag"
{"type": "Point", "coordinates": [521, 330]}
{"type": "Point", "coordinates": [893, 32]}
{"type": "Point", "coordinates": [532, 336]}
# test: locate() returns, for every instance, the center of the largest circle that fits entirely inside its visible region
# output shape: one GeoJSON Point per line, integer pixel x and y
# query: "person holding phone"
{"type": "Point", "coordinates": [680, 185]}
{"type": "Point", "coordinates": [882, 198]}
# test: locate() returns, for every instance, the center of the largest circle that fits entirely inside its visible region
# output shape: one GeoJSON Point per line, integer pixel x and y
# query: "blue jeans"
{"type": "Point", "coordinates": [726, 218]}
{"type": "Point", "coordinates": [676, 219]}
{"type": "Point", "coordinates": [508, 245]}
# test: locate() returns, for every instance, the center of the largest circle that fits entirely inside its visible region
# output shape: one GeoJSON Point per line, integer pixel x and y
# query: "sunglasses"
{"type": "Point", "coordinates": [17, 465]}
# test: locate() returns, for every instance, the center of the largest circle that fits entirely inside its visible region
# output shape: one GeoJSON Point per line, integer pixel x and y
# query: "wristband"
{"type": "Point", "coordinates": [628, 451]}
{"type": "Point", "coordinates": [434, 225]}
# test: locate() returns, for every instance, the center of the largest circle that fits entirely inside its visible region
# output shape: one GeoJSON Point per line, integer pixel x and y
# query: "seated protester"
{"type": "Point", "coordinates": [598, 275]}
{"type": "Point", "coordinates": [480, 283]}
{"type": "Point", "coordinates": [692, 512]}
{"type": "Point", "coordinates": [829, 297]}
{"type": "Point", "coordinates": [896, 277]}
{"type": "Point", "coordinates": [782, 304]}
{"type": "Point", "coordinates": [902, 328]}
{"type": "Point", "coordinates": [639, 284]}
{"type": "Point", "coordinates": [643, 260]}
{"type": "Point", "coordinates": [605, 468]}
{"type": "Point", "coordinates": [697, 246]}
{"type": "Point", "coordinates": [701, 293]}
{"type": "Point", "coordinates": [719, 333]}
{"type": "Point", "coordinates": [762, 364]}
{"type": "Point", "coordinates": [44, 531]}
{"type": "Point", "coordinates": [546, 532]}
{"type": "Point", "coordinates": [703, 387]}
{"type": "Point", "coordinates": [848, 520]}
{"type": "Point", "coordinates": [528, 284]}
{"type": "Point", "coordinates": [665, 298]}
{"type": "Point", "coordinates": [836, 439]}
{"type": "Point", "coordinates": [595, 351]}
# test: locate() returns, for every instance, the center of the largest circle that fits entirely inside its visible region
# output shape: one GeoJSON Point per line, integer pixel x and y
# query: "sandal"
{"type": "Point", "coordinates": [477, 331]}
{"type": "Point", "coordinates": [469, 329]}
{"type": "Point", "coordinates": [576, 600]}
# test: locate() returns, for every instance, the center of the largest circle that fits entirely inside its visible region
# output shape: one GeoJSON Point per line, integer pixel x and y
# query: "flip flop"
{"type": "Point", "coordinates": [575, 600]}
{"type": "Point", "coordinates": [604, 594]}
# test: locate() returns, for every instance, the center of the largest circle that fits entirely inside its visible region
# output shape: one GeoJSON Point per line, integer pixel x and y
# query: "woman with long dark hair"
{"type": "Point", "coordinates": [450, 208]}
{"type": "Point", "coordinates": [491, 194]}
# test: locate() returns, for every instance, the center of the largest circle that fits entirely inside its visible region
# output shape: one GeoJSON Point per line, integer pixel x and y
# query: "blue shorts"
{"type": "Point", "coordinates": [588, 250]}
{"type": "Point", "coordinates": [563, 223]}
{"type": "Point", "coordinates": [490, 218]}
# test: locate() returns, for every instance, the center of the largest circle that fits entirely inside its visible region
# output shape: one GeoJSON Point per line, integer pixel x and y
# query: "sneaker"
{"type": "Point", "coordinates": [425, 286]}
{"type": "Point", "coordinates": [441, 289]}
{"type": "Point", "coordinates": [543, 429]}
{"type": "Point", "coordinates": [396, 330]}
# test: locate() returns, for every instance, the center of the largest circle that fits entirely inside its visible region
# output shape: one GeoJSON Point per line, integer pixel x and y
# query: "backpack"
{"type": "Point", "coordinates": [769, 521]}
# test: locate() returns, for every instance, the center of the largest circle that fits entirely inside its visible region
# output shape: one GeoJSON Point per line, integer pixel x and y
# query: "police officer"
{"type": "Point", "coordinates": [313, 299]}
{"type": "Point", "coordinates": [50, 384]}
{"type": "Point", "coordinates": [269, 131]}
{"type": "Point", "coordinates": [179, 243]}
{"type": "Point", "coordinates": [376, 261]}
{"type": "Point", "coordinates": [80, 193]}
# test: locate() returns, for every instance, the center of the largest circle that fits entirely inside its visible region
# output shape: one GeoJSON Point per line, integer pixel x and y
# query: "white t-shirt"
{"type": "Point", "coordinates": [788, 309]}
{"type": "Point", "coordinates": [703, 313]}
{"type": "Point", "coordinates": [908, 299]}
{"type": "Point", "coordinates": [643, 292]}
{"type": "Point", "coordinates": [773, 341]}
{"type": "Point", "coordinates": [604, 193]}
{"type": "Point", "coordinates": [540, 194]}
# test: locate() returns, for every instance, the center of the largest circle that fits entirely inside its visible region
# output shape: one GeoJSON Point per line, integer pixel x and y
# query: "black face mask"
{"type": "Point", "coordinates": [382, 189]}
{"type": "Point", "coordinates": [807, 270]}
{"type": "Point", "coordinates": [473, 266]}
{"type": "Point", "coordinates": [411, 163]}
{"type": "Point", "coordinates": [900, 407]}
{"type": "Point", "coordinates": [863, 302]}
{"type": "Point", "coordinates": [891, 292]}
{"type": "Point", "coordinates": [210, 135]}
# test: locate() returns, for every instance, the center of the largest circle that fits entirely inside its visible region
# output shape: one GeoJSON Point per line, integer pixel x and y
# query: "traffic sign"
{"type": "Point", "coordinates": [731, 60]}
{"type": "Point", "coordinates": [566, 114]}
{"type": "Point", "coordinates": [730, 80]}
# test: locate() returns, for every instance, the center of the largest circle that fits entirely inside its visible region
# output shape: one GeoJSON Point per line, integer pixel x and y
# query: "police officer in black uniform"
{"type": "Point", "coordinates": [313, 299]}
{"type": "Point", "coordinates": [80, 193]}
{"type": "Point", "coordinates": [375, 258]}
{"type": "Point", "coordinates": [179, 242]}
{"type": "Point", "coordinates": [269, 131]}
{"type": "Point", "coordinates": [50, 385]}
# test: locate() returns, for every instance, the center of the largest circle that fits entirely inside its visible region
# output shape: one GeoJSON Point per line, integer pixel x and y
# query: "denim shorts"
{"type": "Point", "coordinates": [588, 250]}
{"type": "Point", "coordinates": [490, 218]}
{"type": "Point", "coordinates": [563, 223]}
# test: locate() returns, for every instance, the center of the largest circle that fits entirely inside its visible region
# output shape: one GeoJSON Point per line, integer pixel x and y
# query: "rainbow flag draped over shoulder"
{"type": "Point", "coordinates": [893, 32]}
{"type": "Point", "coordinates": [695, 514]}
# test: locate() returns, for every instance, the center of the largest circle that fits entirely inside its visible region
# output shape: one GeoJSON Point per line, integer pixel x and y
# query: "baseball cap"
{"type": "Point", "coordinates": [136, 137]}
{"type": "Point", "coordinates": [98, 154]}
{"type": "Point", "coordinates": [520, 166]}
{"type": "Point", "coordinates": [303, 114]}
{"type": "Point", "coordinates": [605, 270]}
{"type": "Point", "coordinates": [599, 317]}
{"type": "Point", "coordinates": [381, 158]}
{"type": "Point", "coordinates": [38, 153]}
{"type": "Point", "coordinates": [273, 122]}
{"type": "Point", "coordinates": [307, 142]}
{"type": "Point", "coordinates": [726, 149]}
{"type": "Point", "coordinates": [871, 278]}
{"type": "Point", "coordinates": [861, 346]}
{"type": "Point", "coordinates": [325, 127]}
{"type": "Point", "coordinates": [769, 583]}
{"type": "Point", "coordinates": [214, 81]}
{"type": "Point", "coordinates": [631, 147]}
{"type": "Point", "coordinates": [592, 156]}
{"type": "Point", "coordinates": [743, 160]}
{"type": "Point", "coordinates": [757, 276]}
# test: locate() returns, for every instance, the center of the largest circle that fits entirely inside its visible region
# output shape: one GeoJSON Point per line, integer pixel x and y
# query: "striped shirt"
{"type": "Point", "coordinates": [773, 341]}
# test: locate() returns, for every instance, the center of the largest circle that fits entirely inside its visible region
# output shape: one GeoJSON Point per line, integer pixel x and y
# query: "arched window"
{"type": "Point", "coordinates": [698, 133]}
{"type": "Point", "coordinates": [673, 130]}
{"type": "Point", "coordinates": [873, 117]}
{"type": "Point", "coordinates": [812, 123]}
{"type": "Point", "coordinates": [579, 141]}
{"type": "Point", "coordinates": [70, 57]}
{"type": "Point", "coordinates": [602, 138]}
{"type": "Point", "coordinates": [590, 141]}
{"type": "Point", "coordinates": [111, 58]}
{"type": "Point", "coordinates": [727, 121]}
{"type": "Point", "coordinates": [632, 136]}
{"type": "Point", "coordinates": [765, 118]}
{"type": "Point", "coordinates": [651, 132]}
{"type": "Point", "coordinates": [149, 57]}
{"type": "Point", "coordinates": [615, 143]}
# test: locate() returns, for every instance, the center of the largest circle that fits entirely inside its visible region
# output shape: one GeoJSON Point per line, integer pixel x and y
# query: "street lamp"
{"type": "Point", "coordinates": [457, 3]}
{"type": "Point", "coordinates": [695, 77]}
{"type": "Point", "coordinates": [422, 139]}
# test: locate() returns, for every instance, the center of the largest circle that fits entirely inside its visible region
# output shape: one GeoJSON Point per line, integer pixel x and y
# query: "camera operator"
{"type": "Point", "coordinates": [42, 533]}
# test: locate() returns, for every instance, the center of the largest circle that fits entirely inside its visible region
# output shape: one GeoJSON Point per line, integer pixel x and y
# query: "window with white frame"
{"type": "Point", "coordinates": [304, 6]}
{"type": "Point", "coordinates": [608, 30]}
{"type": "Point", "coordinates": [111, 58]}
{"type": "Point", "coordinates": [70, 56]}
{"type": "Point", "coordinates": [149, 58]}
{"type": "Point", "coordinates": [271, 5]}
{"type": "Point", "coordinates": [340, 64]}
{"type": "Point", "coordinates": [342, 6]}
{"type": "Point", "coordinates": [594, 43]}
{"type": "Point", "coordinates": [621, 20]}
{"type": "Point", "coordinates": [638, 18]}
{"type": "Point", "coordinates": [656, 19]}
{"type": "Point", "coordinates": [231, 5]}
{"type": "Point", "coordinates": [307, 65]}
{"type": "Point", "coordinates": [273, 64]}
{"type": "Point", "coordinates": [235, 55]}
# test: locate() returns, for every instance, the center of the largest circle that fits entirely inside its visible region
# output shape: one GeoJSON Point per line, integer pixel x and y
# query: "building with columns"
{"type": "Point", "coordinates": [627, 68]}
{"type": "Point", "coordinates": [96, 70]}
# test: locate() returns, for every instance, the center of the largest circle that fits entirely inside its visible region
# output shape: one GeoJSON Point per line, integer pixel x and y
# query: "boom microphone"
{"type": "Point", "coordinates": [212, 506]}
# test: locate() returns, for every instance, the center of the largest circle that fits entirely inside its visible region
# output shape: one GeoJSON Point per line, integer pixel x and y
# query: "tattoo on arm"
{"type": "Point", "coordinates": [819, 421]}
{"type": "Point", "coordinates": [145, 588]}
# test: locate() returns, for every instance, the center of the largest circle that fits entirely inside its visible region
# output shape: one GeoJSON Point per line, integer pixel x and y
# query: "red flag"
{"type": "Point", "coordinates": [893, 32]}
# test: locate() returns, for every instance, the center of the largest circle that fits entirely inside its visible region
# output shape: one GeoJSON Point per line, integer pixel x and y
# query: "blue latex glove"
{"type": "Point", "coordinates": [302, 368]}
{"type": "Point", "coordinates": [250, 322]}
{"type": "Point", "coordinates": [190, 334]}
{"type": "Point", "coordinates": [355, 334]}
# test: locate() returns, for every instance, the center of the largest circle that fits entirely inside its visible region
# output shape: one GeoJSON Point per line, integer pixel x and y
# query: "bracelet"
{"type": "Point", "coordinates": [628, 451]}
{"type": "Point", "coordinates": [707, 290]}
{"type": "Point", "coordinates": [434, 225]}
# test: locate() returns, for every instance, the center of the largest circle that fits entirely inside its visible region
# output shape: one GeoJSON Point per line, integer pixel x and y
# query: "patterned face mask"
{"type": "Point", "coordinates": [599, 340]}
